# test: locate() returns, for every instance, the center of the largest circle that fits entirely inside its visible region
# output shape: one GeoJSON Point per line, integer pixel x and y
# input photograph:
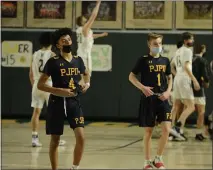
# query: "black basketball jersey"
{"type": "Point", "coordinates": [200, 71]}
{"type": "Point", "coordinates": [153, 72]}
{"type": "Point", "coordinates": [64, 74]}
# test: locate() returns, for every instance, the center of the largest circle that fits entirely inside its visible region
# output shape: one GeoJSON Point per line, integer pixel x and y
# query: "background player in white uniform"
{"type": "Point", "coordinates": [85, 37]}
{"type": "Point", "coordinates": [39, 60]}
{"type": "Point", "coordinates": [182, 83]}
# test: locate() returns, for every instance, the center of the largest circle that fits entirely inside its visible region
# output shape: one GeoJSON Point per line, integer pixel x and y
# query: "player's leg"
{"type": "Point", "coordinates": [200, 105]}
{"type": "Point", "coordinates": [47, 95]}
{"type": "Point", "coordinates": [76, 120]}
{"type": "Point", "coordinates": [79, 146]}
{"type": "Point", "coordinates": [53, 151]}
{"type": "Point", "coordinates": [176, 109]}
{"type": "Point", "coordinates": [54, 127]}
{"type": "Point", "coordinates": [164, 116]}
{"type": "Point", "coordinates": [35, 127]}
{"type": "Point", "coordinates": [37, 104]}
{"type": "Point", "coordinates": [187, 97]}
{"type": "Point", "coordinates": [147, 121]}
{"type": "Point", "coordinates": [189, 108]}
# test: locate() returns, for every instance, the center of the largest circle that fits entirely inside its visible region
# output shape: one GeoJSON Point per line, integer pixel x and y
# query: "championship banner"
{"type": "Point", "coordinates": [101, 58]}
{"type": "Point", "coordinates": [16, 53]}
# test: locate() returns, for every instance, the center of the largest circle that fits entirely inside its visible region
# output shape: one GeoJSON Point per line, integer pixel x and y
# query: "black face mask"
{"type": "Point", "coordinates": [190, 44]}
{"type": "Point", "coordinates": [67, 48]}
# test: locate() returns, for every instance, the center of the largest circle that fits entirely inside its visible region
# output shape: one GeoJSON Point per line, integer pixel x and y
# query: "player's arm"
{"type": "Point", "coordinates": [173, 68]}
{"type": "Point", "coordinates": [31, 75]}
{"type": "Point", "coordinates": [134, 80]}
{"type": "Point", "coordinates": [187, 67]}
{"type": "Point", "coordinates": [47, 72]}
{"type": "Point", "coordinates": [31, 72]}
{"type": "Point", "coordinates": [91, 20]}
{"type": "Point", "coordinates": [169, 78]}
{"type": "Point", "coordinates": [104, 34]}
{"type": "Point", "coordinates": [84, 75]}
{"type": "Point", "coordinates": [205, 75]}
{"type": "Point", "coordinates": [166, 94]}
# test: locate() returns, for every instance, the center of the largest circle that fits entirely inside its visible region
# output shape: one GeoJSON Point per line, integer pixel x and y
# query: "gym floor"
{"type": "Point", "coordinates": [108, 146]}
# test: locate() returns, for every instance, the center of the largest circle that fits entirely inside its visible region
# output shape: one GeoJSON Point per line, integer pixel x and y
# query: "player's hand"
{"type": "Point", "coordinates": [85, 87]}
{"type": "Point", "coordinates": [196, 85]}
{"type": "Point", "coordinates": [98, 2]}
{"type": "Point", "coordinates": [105, 34]}
{"type": "Point", "coordinates": [147, 91]}
{"type": "Point", "coordinates": [65, 92]}
{"type": "Point", "coordinates": [165, 96]}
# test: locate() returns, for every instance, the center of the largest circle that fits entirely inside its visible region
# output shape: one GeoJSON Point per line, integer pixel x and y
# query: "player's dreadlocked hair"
{"type": "Point", "coordinates": [45, 39]}
{"type": "Point", "coordinates": [59, 33]}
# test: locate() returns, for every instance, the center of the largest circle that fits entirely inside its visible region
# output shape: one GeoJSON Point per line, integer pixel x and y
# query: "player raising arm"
{"type": "Point", "coordinates": [85, 36]}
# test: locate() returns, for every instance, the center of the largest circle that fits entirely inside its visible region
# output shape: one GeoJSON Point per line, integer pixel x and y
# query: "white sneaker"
{"type": "Point", "coordinates": [35, 142]}
{"type": "Point", "coordinates": [175, 133]}
{"type": "Point", "coordinates": [62, 142]}
{"type": "Point", "coordinates": [148, 165]}
{"type": "Point", "coordinates": [158, 163]}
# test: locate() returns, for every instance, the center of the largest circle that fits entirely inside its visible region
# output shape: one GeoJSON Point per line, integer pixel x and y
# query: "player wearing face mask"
{"type": "Point", "coordinates": [184, 78]}
{"type": "Point", "coordinates": [155, 85]}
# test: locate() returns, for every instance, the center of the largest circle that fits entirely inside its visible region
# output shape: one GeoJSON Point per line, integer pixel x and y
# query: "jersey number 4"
{"type": "Point", "coordinates": [41, 62]}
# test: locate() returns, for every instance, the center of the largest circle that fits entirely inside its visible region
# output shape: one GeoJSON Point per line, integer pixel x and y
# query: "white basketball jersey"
{"type": "Point", "coordinates": [182, 55]}
{"type": "Point", "coordinates": [39, 60]}
{"type": "Point", "coordinates": [84, 43]}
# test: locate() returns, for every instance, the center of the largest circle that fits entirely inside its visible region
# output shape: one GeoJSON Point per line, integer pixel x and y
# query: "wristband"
{"type": "Point", "coordinates": [88, 84]}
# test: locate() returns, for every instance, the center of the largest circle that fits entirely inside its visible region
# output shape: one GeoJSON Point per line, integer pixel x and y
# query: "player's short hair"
{"type": "Point", "coordinates": [198, 48]}
{"type": "Point", "coordinates": [59, 33]}
{"type": "Point", "coordinates": [152, 36]}
{"type": "Point", "coordinates": [179, 44]}
{"type": "Point", "coordinates": [79, 21]}
{"type": "Point", "coordinates": [45, 39]}
{"type": "Point", "coordinates": [187, 36]}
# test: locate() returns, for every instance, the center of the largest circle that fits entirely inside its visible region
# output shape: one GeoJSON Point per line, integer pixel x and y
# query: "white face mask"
{"type": "Point", "coordinates": [156, 50]}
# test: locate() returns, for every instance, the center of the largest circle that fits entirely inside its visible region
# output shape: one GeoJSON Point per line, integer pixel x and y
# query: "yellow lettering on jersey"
{"type": "Point", "coordinates": [69, 71]}
{"type": "Point", "coordinates": [63, 71]}
{"type": "Point", "coordinates": [157, 68]}
{"type": "Point", "coordinates": [72, 84]}
{"type": "Point", "coordinates": [151, 68]}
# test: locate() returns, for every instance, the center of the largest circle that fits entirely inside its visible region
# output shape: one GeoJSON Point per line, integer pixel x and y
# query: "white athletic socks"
{"type": "Point", "coordinates": [199, 131]}
{"type": "Point", "coordinates": [35, 133]}
{"type": "Point", "coordinates": [75, 167]}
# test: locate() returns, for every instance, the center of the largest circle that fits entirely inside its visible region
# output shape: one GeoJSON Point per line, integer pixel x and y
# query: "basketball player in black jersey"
{"type": "Point", "coordinates": [155, 85]}
{"type": "Point", "coordinates": [200, 71]}
{"type": "Point", "coordinates": [69, 79]}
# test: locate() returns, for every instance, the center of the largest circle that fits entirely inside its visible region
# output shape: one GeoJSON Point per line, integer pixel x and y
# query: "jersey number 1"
{"type": "Point", "coordinates": [158, 76]}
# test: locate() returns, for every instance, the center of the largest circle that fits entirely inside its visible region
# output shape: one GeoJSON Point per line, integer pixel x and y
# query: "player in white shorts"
{"type": "Point", "coordinates": [39, 60]}
{"type": "Point", "coordinates": [183, 91]}
{"type": "Point", "coordinates": [85, 37]}
{"type": "Point", "coordinates": [199, 69]}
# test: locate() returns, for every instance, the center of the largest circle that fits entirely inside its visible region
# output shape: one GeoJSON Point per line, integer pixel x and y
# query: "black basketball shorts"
{"type": "Point", "coordinates": [60, 109]}
{"type": "Point", "coordinates": [153, 110]}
